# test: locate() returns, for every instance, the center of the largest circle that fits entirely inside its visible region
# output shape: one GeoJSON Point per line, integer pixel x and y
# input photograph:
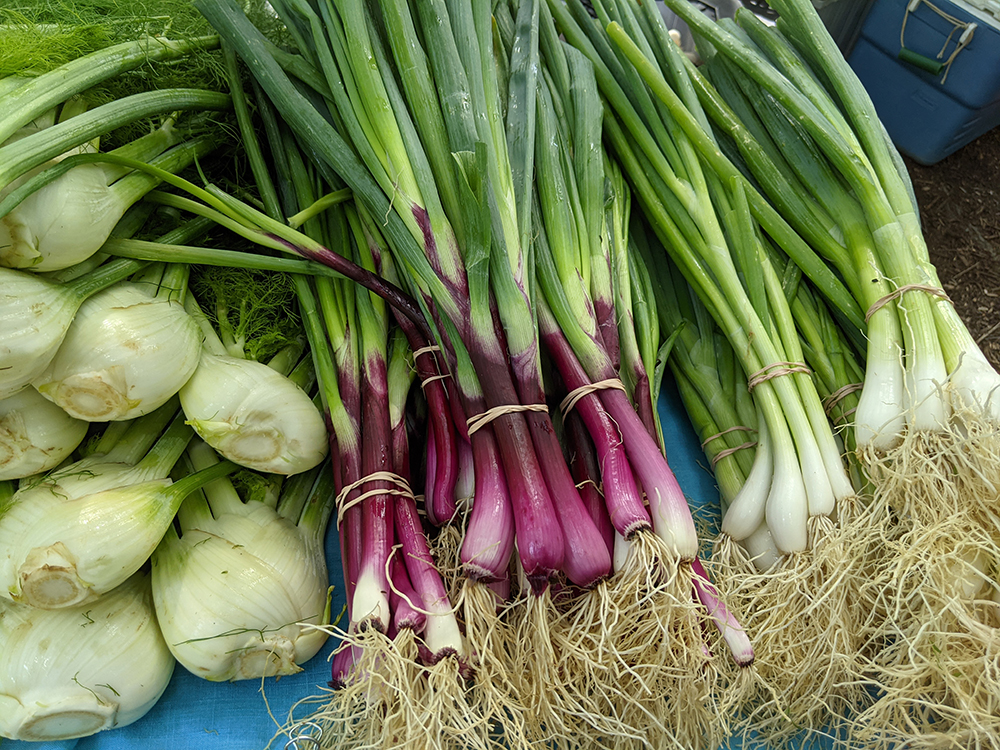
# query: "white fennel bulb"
{"type": "Point", "coordinates": [85, 529]}
{"type": "Point", "coordinates": [63, 223]}
{"type": "Point", "coordinates": [74, 672]}
{"type": "Point", "coordinates": [239, 591]}
{"type": "Point", "coordinates": [126, 353]}
{"type": "Point", "coordinates": [254, 416]}
{"type": "Point", "coordinates": [35, 435]}
{"type": "Point", "coordinates": [34, 317]}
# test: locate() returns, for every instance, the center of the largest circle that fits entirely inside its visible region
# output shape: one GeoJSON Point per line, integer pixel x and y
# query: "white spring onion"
{"type": "Point", "coordinates": [125, 354]}
{"type": "Point", "coordinates": [35, 435]}
{"type": "Point", "coordinates": [238, 590]}
{"type": "Point", "coordinates": [74, 672]}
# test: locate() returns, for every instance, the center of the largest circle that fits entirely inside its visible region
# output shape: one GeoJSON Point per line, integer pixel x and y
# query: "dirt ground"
{"type": "Point", "coordinates": [959, 201]}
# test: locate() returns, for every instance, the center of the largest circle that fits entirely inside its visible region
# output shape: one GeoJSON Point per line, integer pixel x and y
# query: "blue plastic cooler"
{"type": "Point", "coordinates": [933, 71]}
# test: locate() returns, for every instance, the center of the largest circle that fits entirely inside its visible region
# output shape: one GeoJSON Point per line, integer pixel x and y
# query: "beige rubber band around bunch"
{"type": "Point", "coordinates": [839, 395]}
{"type": "Point", "coordinates": [426, 350]}
{"type": "Point", "coordinates": [774, 370]}
{"type": "Point", "coordinates": [432, 378]}
{"type": "Point", "coordinates": [567, 404]}
{"type": "Point", "coordinates": [730, 451]}
{"type": "Point", "coordinates": [481, 420]}
{"type": "Point", "coordinates": [737, 428]}
{"type": "Point", "coordinates": [899, 292]}
{"type": "Point", "coordinates": [376, 476]}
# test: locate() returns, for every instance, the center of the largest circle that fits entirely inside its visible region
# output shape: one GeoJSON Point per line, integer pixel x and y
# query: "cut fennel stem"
{"type": "Point", "coordinates": [35, 435]}
{"type": "Point", "coordinates": [74, 672]}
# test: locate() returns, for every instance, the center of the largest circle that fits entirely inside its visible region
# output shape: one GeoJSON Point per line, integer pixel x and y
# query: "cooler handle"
{"type": "Point", "coordinates": [931, 65]}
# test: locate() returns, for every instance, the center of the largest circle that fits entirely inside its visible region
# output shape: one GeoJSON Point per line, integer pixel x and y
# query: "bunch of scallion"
{"type": "Point", "coordinates": [906, 564]}
{"type": "Point", "coordinates": [455, 205]}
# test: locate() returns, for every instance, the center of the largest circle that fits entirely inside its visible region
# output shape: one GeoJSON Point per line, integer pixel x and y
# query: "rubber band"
{"type": "Point", "coordinates": [775, 370]}
{"type": "Point", "coordinates": [432, 378]}
{"type": "Point", "coordinates": [426, 350]}
{"type": "Point", "coordinates": [730, 451]}
{"type": "Point", "coordinates": [838, 395]}
{"type": "Point", "coordinates": [481, 420]}
{"type": "Point", "coordinates": [843, 417]}
{"type": "Point", "coordinates": [377, 476]}
{"type": "Point", "coordinates": [567, 404]}
{"type": "Point", "coordinates": [738, 428]}
{"type": "Point", "coordinates": [310, 739]}
{"type": "Point", "coordinates": [899, 292]}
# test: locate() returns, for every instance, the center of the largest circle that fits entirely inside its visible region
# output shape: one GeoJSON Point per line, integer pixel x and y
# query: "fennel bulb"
{"type": "Point", "coordinates": [237, 591]}
{"type": "Point", "coordinates": [125, 354]}
{"type": "Point", "coordinates": [34, 317]}
{"type": "Point", "coordinates": [63, 223]}
{"type": "Point", "coordinates": [73, 672]}
{"type": "Point", "coordinates": [84, 529]}
{"type": "Point", "coordinates": [35, 435]}
{"type": "Point", "coordinates": [254, 416]}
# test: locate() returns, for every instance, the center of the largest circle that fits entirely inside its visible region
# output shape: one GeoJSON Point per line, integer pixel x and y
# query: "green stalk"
{"type": "Point", "coordinates": [210, 256]}
{"type": "Point", "coordinates": [30, 152]}
{"type": "Point", "coordinates": [221, 495]}
{"type": "Point", "coordinates": [331, 149]}
{"type": "Point", "coordinates": [729, 474]}
{"type": "Point", "coordinates": [318, 206]}
{"type": "Point", "coordinates": [769, 219]}
{"type": "Point", "coordinates": [36, 95]}
{"type": "Point", "coordinates": [422, 95]}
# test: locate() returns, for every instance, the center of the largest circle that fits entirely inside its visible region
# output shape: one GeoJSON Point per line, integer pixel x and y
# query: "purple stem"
{"type": "Point", "coordinates": [440, 493]}
{"type": "Point", "coordinates": [540, 539]}
{"type": "Point", "coordinates": [489, 535]}
{"type": "Point", "coordinates": [392, 294]}
{"type": "Point", "coordinates": [403, 599]}
{"type": "Point", "coordinates": [729, 627]}
{"type": "Point", "coordinates": [668, 507]}
{"type": "Point", "coordinates": [583, 463]}
{"type": "Point", "coordinates": [621, 495]}
{"type": "Point", "coordinates": [430, 473]}
{"type": "Point", "coordinates": [376, 456]}
{"type": "Point", "coordinates": [586, 560]}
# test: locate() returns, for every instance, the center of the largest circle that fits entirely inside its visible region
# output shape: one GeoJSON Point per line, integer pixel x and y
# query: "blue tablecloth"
{"type": "Point", "coordinates": [197, 715]}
